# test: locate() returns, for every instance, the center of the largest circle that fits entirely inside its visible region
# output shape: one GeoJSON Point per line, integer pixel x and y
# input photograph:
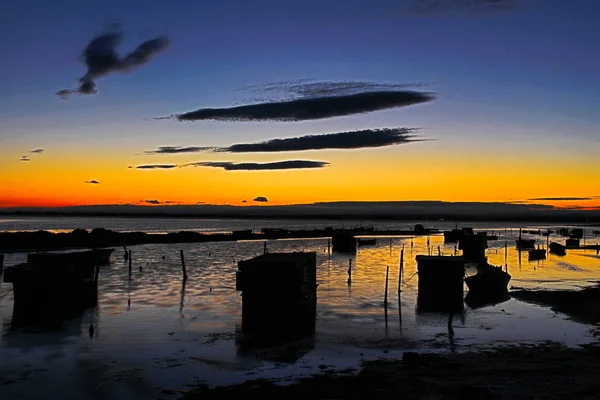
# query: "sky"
{"type": "Point", "coordinates": [507, 109]}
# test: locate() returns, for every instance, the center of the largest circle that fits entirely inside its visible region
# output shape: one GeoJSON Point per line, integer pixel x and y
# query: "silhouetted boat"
{"type": "Point", "coordinates": [71, 258]}
{"type": "Point", "coordinates": [576, 233]}
{"type": "Point", "coordinates": [525, 244]}
{"type": "Point", "coordinates": [563, 232]}
{"type": "Point", "coordinates": [455, 234]}
{"type": "Point", "coordinates": [557, 248]}
{"type": "Point", "coordinates": [366, 242]}
{"type": "Point", "coordinates": [596, 232]}
{"type": "Point", "coordinates": [547, 232]}
{"type": "Point", "coordinates": [488, 236]}
{"type": "Point", "coordinates": [489, 282]}
{"type": "Point", "coordinates": [537, 254]}
{"type": "Point", "coordinates": [572, 243]}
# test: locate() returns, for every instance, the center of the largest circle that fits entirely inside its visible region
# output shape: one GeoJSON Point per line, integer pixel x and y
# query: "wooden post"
{"type": "Point", "coordinates": [385, 296]}
{"type": "Point", "coordinates": [130, 263]}
{"type": "Point", "coordinates": [401, 272]}
{"type": "Point", "coordinates": [183, 265]}
{"type": "Point", "coordinates": [265, 248]}
{"type": "Point", "coordinates": [329, 247]}
{"type": "Point", "coordinates": [97, 270]}
{"type": "Point", "coordinates": [350, 272]}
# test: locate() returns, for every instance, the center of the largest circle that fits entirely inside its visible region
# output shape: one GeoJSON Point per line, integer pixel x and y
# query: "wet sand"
{"type": "Point", "coordinates": [519, 372]}
{"type": "Point", "coordinates": [549, 371]}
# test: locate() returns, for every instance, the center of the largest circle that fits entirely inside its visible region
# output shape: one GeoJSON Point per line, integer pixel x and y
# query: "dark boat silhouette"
{"type": "Point", "coordinates": [572, 243]}
{"type": "Point", "coordinates": [596, 232]}
{"type": "Point", "coordinates": [557, 248]}
{"type": "Point", "coordinates": [525, 244]}
{"type": "Point", "coordinates": [455, 234]}
{"type": "Point", "coordinates": [489, 282]}
{"type": "Point", "coordinates": [537, 254]}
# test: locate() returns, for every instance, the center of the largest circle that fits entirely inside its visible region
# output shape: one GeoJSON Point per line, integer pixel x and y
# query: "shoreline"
{"type": "Point", "coordinates": [99, 237]}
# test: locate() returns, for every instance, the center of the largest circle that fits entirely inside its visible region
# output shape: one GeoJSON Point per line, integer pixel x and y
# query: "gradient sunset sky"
{"type": "Point", "coordinates": [516, 114]}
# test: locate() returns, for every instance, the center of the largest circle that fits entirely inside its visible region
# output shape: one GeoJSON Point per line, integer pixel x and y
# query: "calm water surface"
{"type": "Point", "coordinates": [154, 333]}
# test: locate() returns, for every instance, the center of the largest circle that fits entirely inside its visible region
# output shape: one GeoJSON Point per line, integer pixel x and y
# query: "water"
{"type": "Point", "coordinates": [152, 332]}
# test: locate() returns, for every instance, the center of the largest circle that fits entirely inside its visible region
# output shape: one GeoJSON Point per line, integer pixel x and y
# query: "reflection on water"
{"type": "Point", "coordinates": [154, 330]}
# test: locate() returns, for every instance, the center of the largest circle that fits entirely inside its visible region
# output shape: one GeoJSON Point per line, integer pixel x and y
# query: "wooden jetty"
{"type": "Point", "coordinates": [53, 290]}
{"type": "Point", "coordinates": [473, 248]}
{"type": "Point", "coordinates": [440, 283]}
{"type": "Point", "coordinates": [279, 294]}
{"type": "Point", "coordinates": [344, 242]}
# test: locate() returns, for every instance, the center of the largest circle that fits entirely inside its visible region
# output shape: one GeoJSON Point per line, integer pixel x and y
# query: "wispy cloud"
{"type": "Point", "coordinates": [303, 109]}
{"type": "Point", "coordinates": [93, 182]}
{"type": "Point", "coordinates": [437, 6]}
{"type": "Point", "coordinates": [261, 199]}
{"type": "Point", "coordinates": [311, 88]}
{"type": "Point", "coordinates": [360, 139]}
{"type": "Point", "coordinates": [178, 149]}
{"type": "Point", "coordinates": [563, 198]}
{"type": "Point", "coordinates": [101, 58]}
{"type": "Point", "coordinates": [157, 166]}
{"type": "Point", "coordinates": [278, 165]}
{"type": "Point", "coordinates": [24, 158]}
{"type": "Point", "coordinates": [37, 151]}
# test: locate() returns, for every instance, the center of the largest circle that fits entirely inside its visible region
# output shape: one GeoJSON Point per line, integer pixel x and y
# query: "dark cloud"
{"type": "Point", "coordinates": [277, 165]}
{"type": "Point", "coordinates": [151, 201]}
{"type": "Point", "coordinates": [130, 166]}
{"type": "Point", "coordinates": [436, 6]}
{"type": "Point", "coordinates": [311, 88]}
{"type": "Point", "coordinates": [177, 149]}
{"type": "Point", "coordinates": [561, 198]}
{"type": "Point", "coordinates": [304, 109]}
{"type": "Point", "coordinates": [343, 140]}
{"type": "Point", "coordinates": [156, 166]}
{"type": "Point", "coordinates": [244, 201]}
{"type": "Point", "coordinates": [37, 151]}
{"type": "Point", "coordinates": [93, 182]}
{"type": "Point", "coordinates": [25, 158]}
{"type": "Point", "coordinates": [101, 58]}
{"type": "Point", "coordinates": [261, 199]}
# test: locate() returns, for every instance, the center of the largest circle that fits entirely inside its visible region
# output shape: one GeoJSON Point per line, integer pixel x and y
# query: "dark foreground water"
{"type": "Point", "coordinates": [154, 334]}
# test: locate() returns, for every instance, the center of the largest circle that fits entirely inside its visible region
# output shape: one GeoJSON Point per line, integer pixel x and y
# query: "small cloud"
{"type": "Point", "coordinates": [93, 182]}
{"type": "Point", "coordinates": [151, 201]}
{"type": "Point", "coordinates": [315, 101]}
{"type": "Point", "coordinates": [156, 166]}
{"type": "Point", "coordinates": [261, 199]}
{"type": "Point", "coordinates": [278, 165]}
{"type": "Point", "coordinates": [130, 166]}
{"type": "Point", "coordinates": [37, 151]}
{"type": "Point", "coordinates": [25, 158]}
{"type": "Point", "coordinates": [101, 59]}
{"type": "Point", "coordinates": [177, 149]}
{"type": "Point", "coordinates": [244, 201]}
{"type": "Point", "coordinates": [200, 202]}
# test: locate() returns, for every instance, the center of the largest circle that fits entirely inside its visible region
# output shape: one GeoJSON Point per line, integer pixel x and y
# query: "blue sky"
{"type": "Point", "coordinates": [526, 76]}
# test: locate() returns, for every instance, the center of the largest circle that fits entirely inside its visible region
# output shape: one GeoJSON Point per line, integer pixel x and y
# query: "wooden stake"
{"type": "Point", "coordinates": [401, 272]}
{"type": "Point", "coordinates": [183, 265]}
{"type": "Point", "coordinates": [130, 263]}
{"type": "Point", "coordinates": [387, 274]}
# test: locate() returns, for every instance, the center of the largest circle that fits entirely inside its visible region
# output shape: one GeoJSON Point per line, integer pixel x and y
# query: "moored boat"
{"type": "Point", "coordinates": [572, 243]}
{"type": "Point", "coordinates": [455, 234]}
{"type": "Point", "coordinates": [557, 248]}
{"type": "Point", "coordinates": [490, 281]}
{"type": "Point", "coordinates": [525, 244]}
{"type": "Point", "coordinates": [366, 241]}
{"type": "Point", "coordinates": [537, 254]}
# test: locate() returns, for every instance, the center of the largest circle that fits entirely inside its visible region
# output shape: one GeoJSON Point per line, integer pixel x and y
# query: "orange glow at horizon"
{"type": "Point", "coordinates": [53, 180]}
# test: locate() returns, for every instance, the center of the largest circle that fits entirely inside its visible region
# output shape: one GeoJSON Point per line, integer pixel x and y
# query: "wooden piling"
{"type": "Point", "coordinates": [183, 265]}
{"type": "Point", "coordinates": [385, 296]}
{"type": "Point", "coordinates": [401, 271]}
{"type": "Point", "coordinates": [329, 247]}
{"type": "Point", "coordinates": [349, 272]}
{"type": "Point", "coordinates": [129, 262]}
